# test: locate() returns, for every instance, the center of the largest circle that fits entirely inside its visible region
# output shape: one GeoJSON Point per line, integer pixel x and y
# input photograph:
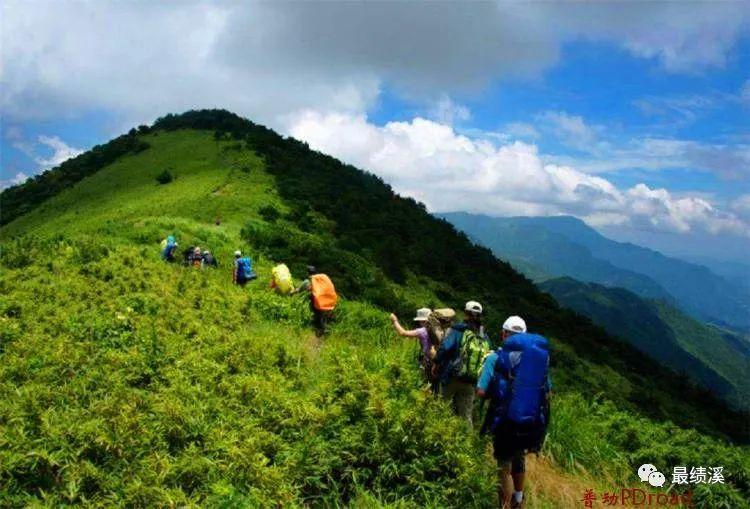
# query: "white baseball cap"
{"type": "Point", "coordinates": [238, 253]}
{"type": "Point", "coordinates": [473, 307]}
{"type": "Point", "coordinates": [514, 324]}
{"type": "Point", "coordinates": [422, 314]}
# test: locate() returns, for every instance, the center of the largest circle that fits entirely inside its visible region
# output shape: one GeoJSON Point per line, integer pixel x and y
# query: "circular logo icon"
{"type": "Point", "coordinates": [656, 479]}
{"type": "Point", "coordinates": [646, 470]}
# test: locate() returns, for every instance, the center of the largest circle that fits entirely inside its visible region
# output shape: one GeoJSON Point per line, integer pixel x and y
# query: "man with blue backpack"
{"type": "Point", "coordinates": [515, 379]}
{"type": "Point", "coordinates": [168, 248]}
{"type": "Point", "coordinates": [459, 360]}
{"type": "Point", "coordinates": [243, 269]}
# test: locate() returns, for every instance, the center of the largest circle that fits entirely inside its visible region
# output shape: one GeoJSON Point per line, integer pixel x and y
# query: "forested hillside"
{"type": "Point", "coordinates": [718, 360]}
{"type": "Point", "coordinates": [129, 381]}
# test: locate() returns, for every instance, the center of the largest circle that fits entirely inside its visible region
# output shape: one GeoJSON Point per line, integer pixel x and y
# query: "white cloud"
{"type": "Point", "coordinates": [60, 152]}
{"type": "Point", "coordinates": [57, 151]}
{"type": "Point", "coordinates": [270, 61]}
{"type": "Point", "coordinates": [266, 60]}
{"type": "Point", "coordinates": [729, 162]}
{"type": "Point", "coordinates": [571, 130]}
{"type": "Point", "coordinates": [521, 130]}
{"type": "Point", "coordinates": [741, 205]}
{"type": "Point", "coordinates": [19, 178]}
{"type": "Point", "coordinates": [448, 171]}
{"type": "Point", "coordinates": [681, 110]}
{"type": "Point", "coordinates": [446, 111]}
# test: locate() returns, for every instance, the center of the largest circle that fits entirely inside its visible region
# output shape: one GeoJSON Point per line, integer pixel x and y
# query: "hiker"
{"type": "Point", "coordinates": [439, 322]}
{"type": "Point", "coordinates": [459, 359]}
{"type": "Point", "coordinates": [195, 258]}
{"type": "Point", "coordinates": [323, 298]}
{"type": "Point", "coordinates": [187, 255]}
{"type": "Point", "coordinates": [208, 260]}
{"type": "Point", "coordinates": [515, 379]}
{"type": "Point", "coordinates": [281, 280]}
{"type": "Point", "coordinates": [243, 269]}
{"type": "Point", "coordinates": [168, 248]}
{"type": "Point", "coordinates": [427, 350]}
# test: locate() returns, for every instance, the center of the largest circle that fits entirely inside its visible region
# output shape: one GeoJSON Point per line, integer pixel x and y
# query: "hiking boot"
{"type": "Point", "coordinates": [517, 505]}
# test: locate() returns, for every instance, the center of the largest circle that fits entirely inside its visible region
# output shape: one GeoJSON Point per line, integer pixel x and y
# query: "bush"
{"type": "Point", "coordinates": [165, 177]}
{"type": "Point", "coordinates": [269, 213]}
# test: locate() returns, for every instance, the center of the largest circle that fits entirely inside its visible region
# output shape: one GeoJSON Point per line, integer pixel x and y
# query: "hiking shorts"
{"type": "Point", "coordinates": [511, 443]}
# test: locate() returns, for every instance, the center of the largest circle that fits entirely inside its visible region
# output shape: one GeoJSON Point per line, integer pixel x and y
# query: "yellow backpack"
{"type": "Point", "coordinates": [282, 279]}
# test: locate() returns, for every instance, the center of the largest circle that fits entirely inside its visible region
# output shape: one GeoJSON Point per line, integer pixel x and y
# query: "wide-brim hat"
{"type": "Point", "coordinates": [422, 314]}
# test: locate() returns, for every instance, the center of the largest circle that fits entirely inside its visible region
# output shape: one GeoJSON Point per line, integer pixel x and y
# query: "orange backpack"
{"type": "Point", "coordinates": [323, 293]}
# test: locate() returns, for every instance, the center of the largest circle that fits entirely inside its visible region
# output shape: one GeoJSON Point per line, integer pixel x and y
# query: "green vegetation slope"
{"type": "Point", "coordinates": [133, 382]}
{"type": "Point", "coordinates": [717, 359]}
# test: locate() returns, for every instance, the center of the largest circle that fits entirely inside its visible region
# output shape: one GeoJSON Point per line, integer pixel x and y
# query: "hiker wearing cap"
{"type": "Point", "coordinates": [459, 360]}
{"type": "Point", "coordinates": [243, 269]}
{"type": "Point", "coordinates": [196, 258]}
{"type": "Point", "coordinates": [168, 248]}
{"type": "Point", "coordinates": [515, 379]}
{"type": "Point", "coordinates": [427, 351]}
{"type": "Point", "coordinates": [323, 298]}
{"type": "Point", "coordinates": [208, 259]}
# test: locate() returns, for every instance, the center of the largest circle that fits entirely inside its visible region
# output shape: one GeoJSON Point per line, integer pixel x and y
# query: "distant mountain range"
{"type": "Point", "coordinates": [715, 358]}
{"type": "Point", "coordinates": [549, 247]}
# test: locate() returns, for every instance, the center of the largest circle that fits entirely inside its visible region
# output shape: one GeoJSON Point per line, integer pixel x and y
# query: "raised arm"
{"type": "Point", "coordinates": [400, 330]}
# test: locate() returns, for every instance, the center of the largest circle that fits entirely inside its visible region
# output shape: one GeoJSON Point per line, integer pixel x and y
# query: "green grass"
{"type": "Point", "coordinates": [128, 381]}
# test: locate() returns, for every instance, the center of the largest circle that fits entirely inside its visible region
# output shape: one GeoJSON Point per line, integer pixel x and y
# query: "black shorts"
{"type": "Point", "coordinates": [511, 441]}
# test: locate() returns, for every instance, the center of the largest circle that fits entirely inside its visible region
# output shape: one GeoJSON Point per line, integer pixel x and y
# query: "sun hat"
{"type": "Point", "coordinates": [422, 314]}
{"type": "Point", "coordinates": [514, 324]}
{"type": "Point", "coordinates": [473, 307]}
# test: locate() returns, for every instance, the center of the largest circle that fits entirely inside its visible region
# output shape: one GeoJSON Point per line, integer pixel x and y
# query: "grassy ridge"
{"type": "Point", "coordinates": [132, 382]}
{"type": "Point", "coordinates": [128, 381]}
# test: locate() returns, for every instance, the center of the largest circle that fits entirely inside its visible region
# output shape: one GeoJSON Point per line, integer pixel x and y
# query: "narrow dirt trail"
{"type": "Point", "coordinates": [548, 486]}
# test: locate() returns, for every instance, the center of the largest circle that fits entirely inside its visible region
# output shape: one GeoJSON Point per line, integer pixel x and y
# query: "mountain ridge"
{"type": "Point", "coordinates": [694, 287]}
{"type": "Point", "coordinates": [663, 333]}
{"type": "Point", "coordinates": [215, 377]}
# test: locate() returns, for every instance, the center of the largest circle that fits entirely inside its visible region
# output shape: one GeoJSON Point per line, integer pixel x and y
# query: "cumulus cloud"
{"type": "Point", "coordinates": [449, 171]}
{"type": "Point", "coordinates": [47, 152]}
{"type": "Point", "coordinates": [266, 59]}
{"type": "Point", "coordinates": [18, 178]}
{"type": "Point", "coordinates": [61, 152]}
{"type": "Point", "coordinates": [270, 61]}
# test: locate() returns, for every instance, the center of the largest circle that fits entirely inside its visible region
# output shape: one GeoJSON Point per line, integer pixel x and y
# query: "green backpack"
{"type": "Point", "coordinates": [472, 350]}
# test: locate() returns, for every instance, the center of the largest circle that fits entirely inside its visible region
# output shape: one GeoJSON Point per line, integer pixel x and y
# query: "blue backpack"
{"type": "Point", "coordinates": [245, 269]}
{"type": "Point", "coordinates": [168, 252]}
{"type": "Point", "coordinates": [519, 393]}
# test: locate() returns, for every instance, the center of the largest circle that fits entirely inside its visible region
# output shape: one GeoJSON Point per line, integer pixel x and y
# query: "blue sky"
{"type": "Point", "coordinates": [633, 117]}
